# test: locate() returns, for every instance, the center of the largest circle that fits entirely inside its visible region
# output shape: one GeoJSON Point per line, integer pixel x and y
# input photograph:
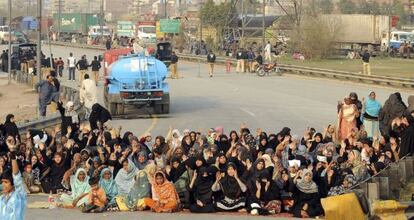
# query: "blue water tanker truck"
{"type": "Point", "coordinates": [139, 81]}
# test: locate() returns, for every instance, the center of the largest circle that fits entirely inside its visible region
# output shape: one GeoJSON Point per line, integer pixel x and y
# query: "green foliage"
{"type": "Point", "coordinates": [347, 6]}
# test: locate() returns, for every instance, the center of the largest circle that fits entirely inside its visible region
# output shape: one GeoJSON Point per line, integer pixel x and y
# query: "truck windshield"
{"type": "Point", "coordinates": [125, 27]}
{"type": "Point", "coordinates": [149, 30]}
{"type": "Point", "coordinates": [406, 37]}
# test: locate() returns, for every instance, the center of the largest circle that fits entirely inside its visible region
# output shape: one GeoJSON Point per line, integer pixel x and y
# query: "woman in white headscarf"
{"type": "Point", "coordinates": [306, 196]}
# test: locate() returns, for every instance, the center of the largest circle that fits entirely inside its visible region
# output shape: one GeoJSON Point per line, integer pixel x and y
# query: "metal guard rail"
{"type": "Point", "coordinates": [294, 69]}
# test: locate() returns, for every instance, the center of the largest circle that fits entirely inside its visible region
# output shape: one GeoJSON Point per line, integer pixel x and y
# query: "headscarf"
{"type": "Point", "coordinates": [126, 179]}
{"type": "Point", "coordinates": [223, 143]}
{"type": "Point", "coordinates": [10, 128]}
{"type": "Point", "coordinates": [267, 160]}
{"type": "Point", "coordinates": [372, 106]}
{"type": "Point", "coordinates": [109, 186]}
{"type": "Point", "coordinates": [79, 187]}
{"type": "Point", "coordinates": [306, 187]}
{"type": "Point", "coordinates": [165, 191]}
{"type": "Point", "coordinates": [176, 141]}
{"type": "Point", "coordinates": [203, 184]}
{"type": "Point", "coordinates": [139, 165]}
{"type": "Point", "coordinates": [140, 190]}
{"type": "Point", "coordinates": [229, 185]}
{"type": "Point", "coordinates": [71, 113]}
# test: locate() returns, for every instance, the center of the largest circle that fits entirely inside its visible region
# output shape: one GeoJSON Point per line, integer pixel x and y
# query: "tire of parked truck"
{"type": "Point", "coordinates": [112, 108]}
{"type": "Point", "coordinates": [166, 104]}
{"type": "Point", "coordinates": [158, 108]}
{"type": "Point", "coordinates": [120, 108]}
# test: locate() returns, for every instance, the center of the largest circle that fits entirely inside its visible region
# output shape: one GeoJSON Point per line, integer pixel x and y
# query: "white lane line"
{"type": "Point", "coordinates": [248, 112]}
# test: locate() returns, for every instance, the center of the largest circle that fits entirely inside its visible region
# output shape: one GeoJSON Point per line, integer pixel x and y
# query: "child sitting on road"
{"type": "Point", "coordinates": [96, 198]}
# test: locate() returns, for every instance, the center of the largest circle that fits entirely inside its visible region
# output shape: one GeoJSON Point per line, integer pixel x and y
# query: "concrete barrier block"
{"type": "Point", "coordinates": [409, 167]}
{"type": "Point", "coordinates": [403, 171]}
{"type": "Point", "coordinates": [373, 191]}
{"type": "Point", "coordinates": [394, 181]}
{"type": "Point", "coordinates": [384, 188]}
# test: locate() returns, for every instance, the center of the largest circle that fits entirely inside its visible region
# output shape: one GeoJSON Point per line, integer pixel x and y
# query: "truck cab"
{"type": "Point", "coordinates": [399, 37]}
{"type": "Point", "coordinates": [95, 31]}
{"type": "Point", "coordinates": [135, 80]}
{"type": "Point", "coordinates": [125, 29]}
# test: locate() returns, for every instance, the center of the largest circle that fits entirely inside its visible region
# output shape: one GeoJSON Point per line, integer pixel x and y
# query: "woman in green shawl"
{"type": "Point", "coordinates": [140, 190]}
{"type": "Point", "coordinates": [107, 182]}
{"type": "Point", "coordinates": [80, 188]}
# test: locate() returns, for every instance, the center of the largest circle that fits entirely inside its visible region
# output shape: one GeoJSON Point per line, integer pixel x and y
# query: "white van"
{"type": "Point", "coordinates": [4, 34]}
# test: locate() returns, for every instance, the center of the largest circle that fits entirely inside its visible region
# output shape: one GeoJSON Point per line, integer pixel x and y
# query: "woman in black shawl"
{"type": "Point", "coordinates": [186, 144]}
{"type": "Point", "coordinates": [393, 107]}
{"type": "Point", "coordinates": [264, 196]}
{"type": "Point", "coordinates": [223, 144]}
{"type": "Point", "coordinates": [178, 175]}
{"type": "Point", "coordinates": [200, 187]}
{"type": "Point", "coordinates": [98, 114]}
{"type": "Point", "coordinates": [233, 189]}
{"type": "Point", "coordinates": [10, 127]}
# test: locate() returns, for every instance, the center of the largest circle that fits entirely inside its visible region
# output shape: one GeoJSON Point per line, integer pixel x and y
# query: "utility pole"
{"type": "Point", "coordinates": [199, 48]}
{"type": "Point", "coordinates": [101, 20]}
{"type": "Point", "coordinates": [39, 40]}
{"type": "Point", "coordinates": [263, 24]}
{"type": "Point", "coordinates": [59, 18]}
{"type": "Point", "coordinates": [165, 8]}
{"type": "Point", "coordinates": [9, 40]}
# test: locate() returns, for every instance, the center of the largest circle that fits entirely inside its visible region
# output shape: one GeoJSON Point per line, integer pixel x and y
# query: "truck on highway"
{"type": "Point", "coordinates": [125, 29]}
{"type": "Point", "coordinates": [146, 31]}
{"type": "Point", "coordinates": [135, 80]}
{"type": "Point", "coordinates": [359, 31]}
{"type": "Point", "coordinates": [78, 25]}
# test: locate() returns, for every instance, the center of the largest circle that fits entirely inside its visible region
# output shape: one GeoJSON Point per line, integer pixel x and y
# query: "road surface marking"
{"type": "Point", "coordinates": [152, 126]}
{"type": "Point", "coordinates": [248, 112]}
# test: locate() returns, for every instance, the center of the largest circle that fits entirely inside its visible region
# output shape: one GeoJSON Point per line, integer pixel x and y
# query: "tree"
{"type": "Point", "coordinates": [294, 10]}
{"type": "Point", "coordinates": [326, 6]}
{"type": "Point", "coordinates": [347, 6]}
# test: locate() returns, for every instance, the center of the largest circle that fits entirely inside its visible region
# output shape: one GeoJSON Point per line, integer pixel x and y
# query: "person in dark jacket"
{"type": "Point", "coordinates": [211, 59]}
{"type": "Point", "coordinates": [99, 114]}
{"type": "Point", "coordinates": [173, 66]}
{"type": "Point", "coordinates": [365, 63]}
{"type": "Point", "coordinates": [10, 127]}
{"type": "Point", "coordinates": [240, 60]}
{"type": "Point", "coordinates": [404, 127]}
{"type": "Point", "coordinates": [250, 60]}
{"type": "Point", "coordinates": [82, 66]}
{"type": "Point", "coordinates": [108, 43]}
{"type": "Point", "coordinates": [96, 66]}
{"type": "Point", "coordinates": [4, 58]}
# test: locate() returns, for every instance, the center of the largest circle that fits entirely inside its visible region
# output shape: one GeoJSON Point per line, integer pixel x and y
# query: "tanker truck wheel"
{"type": "Point", "coordinates": [112, 108]}
{"type": "Point", "coordinates": [166, 108]}
{"type": "Point", "coordinates": [120, 109]}
{"type": "Point", "coordinates": [158, 108]}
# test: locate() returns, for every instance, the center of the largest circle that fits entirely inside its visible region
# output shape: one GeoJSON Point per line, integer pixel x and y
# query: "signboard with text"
{"type": "Point", "coordinates": [170, 26]}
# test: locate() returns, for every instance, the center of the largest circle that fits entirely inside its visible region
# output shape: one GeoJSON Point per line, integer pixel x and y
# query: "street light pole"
{"type": "Point", "coordinates": [102, 19]}
{"type": "Point", "coordinates": [263, 25]}
{"type": "Point", "coordinates": [39, 40]}
{"type": "Point", "coordinates": [59, 18]}
{"type": "Point", "coordinates": [9, 40]}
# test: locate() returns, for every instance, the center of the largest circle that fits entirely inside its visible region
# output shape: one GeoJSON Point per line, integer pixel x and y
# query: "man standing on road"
{"type": "Point", "coordinates": [240, 61]}
{"type": "Point", "coordinates": [365, 63]}
{"type": "Point", "coordinates": [87, 94]}
{"type": "Point", "coordinates": [82, 66]}
{"type": "Point", "coordinates": [96, 66]}
{"type": "Point", "coordinates": [250, 60]}
{"type": "Point", "coordinates": [47, 94]}
{"type": "Point", "coordinates": [108, 43]}
{"type": "Point", "coordinates": [268, 52]}
{"type": "Point", "coordinates": [13, 200]}
{"type": "Point", "coordinates": [173, 66]}
{"type": "Point", "coordinates": [211, 59]}
{"type": "Point", "coordinates": [71, 66]}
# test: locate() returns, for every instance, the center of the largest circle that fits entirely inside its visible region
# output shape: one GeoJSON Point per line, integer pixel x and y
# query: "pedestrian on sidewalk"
{"type": "Point", "coordinates": [3, 58]}
{"type": "Point", "coordinates": [211, 59]}
{"type": "Point", "coordinates": [96, 66]}
{"type": "Point", "coordinates": [365, 63]}
{"type": "Point", "coordinates": [71, 66]}
{"type": "Point", "coordinates": [173, 66]}
{"type": "Point", "coordinates": [82, 66]}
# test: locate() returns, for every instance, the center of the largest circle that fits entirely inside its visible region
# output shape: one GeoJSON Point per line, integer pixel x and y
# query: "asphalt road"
{"type": "Point", "coordinates": [199, 102]}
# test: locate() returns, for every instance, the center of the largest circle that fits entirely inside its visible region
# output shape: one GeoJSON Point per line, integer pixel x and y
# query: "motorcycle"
{"type": "Point", "coordinates": [267, 68]}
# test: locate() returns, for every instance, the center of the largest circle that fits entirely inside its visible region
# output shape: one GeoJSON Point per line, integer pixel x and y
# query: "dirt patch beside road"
{"type": "Point", "coordinates": [17, 99]}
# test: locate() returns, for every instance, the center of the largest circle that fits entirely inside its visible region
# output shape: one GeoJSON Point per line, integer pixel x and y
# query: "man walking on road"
{"type": "Point", "coordinates": [268, 52]}
{"type": "Point", "coordinates": [173, 66]}
{"type": "Point", "coordinates": [88, 94]}
{"type": "Point", "coordinates": [250, 59]}
{"type": "Point", "coordinates": [211, 59]}
{"type": "Point", "coordinates": [82, 66]}
{"type": "Point", "coordinates": [71, 66]}
{"type": "Point", "coordinates": [96, 66]}
{"type": "Point", "coordinates": [365, 63]}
